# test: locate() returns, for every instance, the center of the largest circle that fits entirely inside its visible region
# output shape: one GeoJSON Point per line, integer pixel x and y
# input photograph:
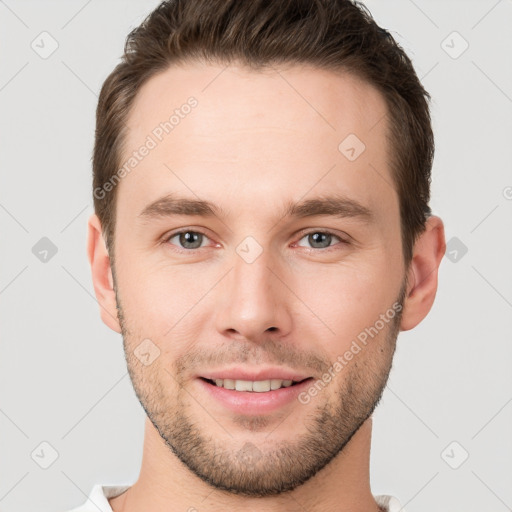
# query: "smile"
{"type": "Point", "coordinates": [257, 386]}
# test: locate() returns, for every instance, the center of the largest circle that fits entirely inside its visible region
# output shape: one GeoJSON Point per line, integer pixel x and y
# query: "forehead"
{"type": "Point", "coordinates": [267, 137]}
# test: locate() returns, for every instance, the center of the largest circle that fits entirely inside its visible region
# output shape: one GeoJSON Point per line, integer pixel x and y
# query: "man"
{"type": "Point", "coordinates": [262, 233]}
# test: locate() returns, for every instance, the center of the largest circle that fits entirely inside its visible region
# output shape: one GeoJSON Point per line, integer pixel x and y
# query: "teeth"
{"type": "Point", "coordinates": [258, 386]}
{"type": "Point", "coordinates": [275, 384]}
{"type": "Point", "coordinates": [243, 385]}
{"type": "Point", "coordinates": [228, 383]}
{"type": "Point", "coordinates": [261, 385]}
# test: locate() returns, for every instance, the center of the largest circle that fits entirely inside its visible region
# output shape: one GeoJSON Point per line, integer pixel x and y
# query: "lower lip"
{"type": "Point", "coordinates": [252, 402]}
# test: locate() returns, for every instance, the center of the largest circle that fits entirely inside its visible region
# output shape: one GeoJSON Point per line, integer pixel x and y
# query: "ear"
{"type": "Point", "coordinates": [422, 273]}
{"type": "Point", "coordinates": [102, 274]}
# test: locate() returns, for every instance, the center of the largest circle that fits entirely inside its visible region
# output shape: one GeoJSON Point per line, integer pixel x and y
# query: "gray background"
{"type": "Point", "coordinates": [63, 378]}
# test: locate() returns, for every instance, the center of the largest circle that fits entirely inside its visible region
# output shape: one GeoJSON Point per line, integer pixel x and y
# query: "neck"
{"type": "Point", "coordinates": [166, 484]}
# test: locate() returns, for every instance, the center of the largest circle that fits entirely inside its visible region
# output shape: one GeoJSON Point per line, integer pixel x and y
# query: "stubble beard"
{"type": "Point", "coordinates": [271, 468]}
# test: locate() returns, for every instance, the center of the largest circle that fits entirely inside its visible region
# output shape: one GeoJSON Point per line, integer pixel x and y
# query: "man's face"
{"type": "Point", "coordinates": [250, 289]}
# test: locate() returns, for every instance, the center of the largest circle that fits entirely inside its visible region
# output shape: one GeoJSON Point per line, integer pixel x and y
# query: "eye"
{"type": "Point", "coordinates": [320, 239]}
{"type": "Point", "coordinates": [187, 239]}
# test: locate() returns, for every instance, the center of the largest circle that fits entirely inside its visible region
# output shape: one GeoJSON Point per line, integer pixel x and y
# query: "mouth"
{"type": "Point", "coordinates": [252, 397]}
{"type": "Point", "coordinates": [254, 386]}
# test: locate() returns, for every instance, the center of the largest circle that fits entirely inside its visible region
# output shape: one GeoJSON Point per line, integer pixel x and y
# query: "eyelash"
{"type": "Point", "coordinates": [342, 241]}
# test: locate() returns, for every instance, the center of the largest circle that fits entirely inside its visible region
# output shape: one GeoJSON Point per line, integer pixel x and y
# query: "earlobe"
{"type": "Point", "coordinates": [422, 274]}
{"type": "Point", "coordinates": [102, 274]}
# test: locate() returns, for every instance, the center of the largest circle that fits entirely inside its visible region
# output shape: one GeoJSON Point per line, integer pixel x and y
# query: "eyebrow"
{"type": "Point", "coordinates": [332, 205]}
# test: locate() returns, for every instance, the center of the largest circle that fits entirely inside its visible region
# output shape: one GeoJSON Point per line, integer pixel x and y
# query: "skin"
{"type": "Point", "coordinates": [253, 144]}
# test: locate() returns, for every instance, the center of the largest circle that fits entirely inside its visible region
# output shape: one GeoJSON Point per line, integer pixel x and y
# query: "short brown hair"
{"type": "Point", "coordinates": [329, 34]}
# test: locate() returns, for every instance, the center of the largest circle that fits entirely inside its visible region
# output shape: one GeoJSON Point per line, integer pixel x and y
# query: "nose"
{"type": "Point", "coordinates": [253, 301]}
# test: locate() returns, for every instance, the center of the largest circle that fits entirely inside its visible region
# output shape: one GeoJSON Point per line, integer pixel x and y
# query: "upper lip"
{"type": "Point", "coordinates": [255, 374]}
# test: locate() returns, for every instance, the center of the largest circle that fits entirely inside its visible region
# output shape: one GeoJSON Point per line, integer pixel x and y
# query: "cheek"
{"type": "Point", "coordinates": [347, 298]}
{"type": "Point", "coordinates": [161, 302]}
{"type": "Point", "coordinates": [168, 301]}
